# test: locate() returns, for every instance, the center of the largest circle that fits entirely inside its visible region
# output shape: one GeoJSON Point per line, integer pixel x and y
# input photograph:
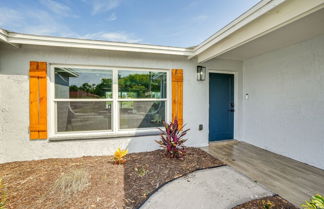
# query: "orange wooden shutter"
{"type": "Point", "coordinates": [38, 100]}
{"type": "Point", "coordinates": [177, 95]}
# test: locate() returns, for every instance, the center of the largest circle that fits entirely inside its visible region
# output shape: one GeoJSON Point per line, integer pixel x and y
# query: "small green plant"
{"type": "Point", "coordinates": [267, 204]}
{"type": "Point", "coordinates": [316, 202]}
{"type": "Point", "coordinates": [172, 139]}
{"type": "Point", "coordinates": [141, 171]}
{"type": "Point", "coordinates": [3, 195]}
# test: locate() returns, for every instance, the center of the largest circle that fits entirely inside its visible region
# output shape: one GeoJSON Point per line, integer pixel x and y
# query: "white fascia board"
{"type": "Point", "coordinates": [17, 38]}
{"type": "Point", "coordinates": [4, 38]}
{"type": "Point", "coordinates": [3, 35]}
{"type": "Point", "coordinates": [258, 10]}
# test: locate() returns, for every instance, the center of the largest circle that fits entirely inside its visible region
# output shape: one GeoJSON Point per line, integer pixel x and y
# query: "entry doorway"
{"type": "Point", "coordinates": [221, 106]}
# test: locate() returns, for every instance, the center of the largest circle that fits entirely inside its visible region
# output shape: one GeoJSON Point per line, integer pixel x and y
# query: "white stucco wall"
{"type": "Point", "coordinates": [285, 109]}
{"type": "Point", "coordinates": [284, 112]}
{"type": "Point", "coordinates": [14, 102]}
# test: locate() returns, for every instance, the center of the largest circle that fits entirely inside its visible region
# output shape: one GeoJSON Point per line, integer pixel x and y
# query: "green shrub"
{"type": "Point", "coordinates": [316, 202]}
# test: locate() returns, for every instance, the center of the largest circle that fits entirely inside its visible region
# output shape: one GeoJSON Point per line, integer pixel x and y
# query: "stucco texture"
{"type": "Point", "coordinates": [14, 105]}
{"type": "Point", "coordinates": [284, 112]}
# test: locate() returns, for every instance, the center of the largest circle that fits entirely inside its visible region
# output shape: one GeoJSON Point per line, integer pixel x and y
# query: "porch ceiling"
{"type": "Point", "coordinates": [303, 29]}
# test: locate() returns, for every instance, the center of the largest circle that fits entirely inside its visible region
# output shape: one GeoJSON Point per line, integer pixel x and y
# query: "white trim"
{"type": "Point", "coordinates": [4, 38]}
{"type": "Point", "coordinates": [115, 131]}
{"type": "Point", "coordinates": [3, 35]}
{"type": "Point", "coordinates": [258, 10]}
{"type": "Point", "coordinates": [142, 100]}
{"type": "Point", "coordinates": [51, 104]}
{"type": "Point", "coordinates": [115, 110]}
{"type": "Point", "coordinates": [169, 97]}
{"type": "Point", "coordinates": [82, 100]}
{"type": "Point", "coordinates": [19, 38]}
{"type": "Point", "coordinates": [102, 135]}
{"type": "Point", "coordinates": [236, 106]}
{"type": "Point", "coordinates": [107, 67]}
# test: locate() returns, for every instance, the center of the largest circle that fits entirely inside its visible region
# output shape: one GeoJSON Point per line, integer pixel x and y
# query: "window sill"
{"type": "Point", "coordinates": [86, 136]}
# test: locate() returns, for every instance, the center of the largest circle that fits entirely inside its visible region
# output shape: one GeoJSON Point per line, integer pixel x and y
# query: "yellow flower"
{"type": "Point", "coordinates": [267, 204]}
{"type": "Point", "coordinates": [119, 156]}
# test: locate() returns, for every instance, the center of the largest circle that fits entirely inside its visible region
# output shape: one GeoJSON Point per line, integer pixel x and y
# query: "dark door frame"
{"type": "Point", "coordinates": [235, 97]}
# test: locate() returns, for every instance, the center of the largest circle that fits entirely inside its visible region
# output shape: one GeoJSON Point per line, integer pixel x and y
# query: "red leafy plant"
{"type": "Point", "coordinates": [172, 140]}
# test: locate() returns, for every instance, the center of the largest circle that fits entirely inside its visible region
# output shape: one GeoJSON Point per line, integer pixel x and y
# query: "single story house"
{"type": "Point", "coordinates": [260, 80]}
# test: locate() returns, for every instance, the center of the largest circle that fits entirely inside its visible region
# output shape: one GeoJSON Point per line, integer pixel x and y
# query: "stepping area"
{"type": "Point", "coordinates": [293, 180]}
{"type": "Point", "coordinates": [220, 188]}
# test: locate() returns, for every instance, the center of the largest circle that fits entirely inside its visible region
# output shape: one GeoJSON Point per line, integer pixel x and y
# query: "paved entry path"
{"type": "Point", "coordinates": [216, 188]}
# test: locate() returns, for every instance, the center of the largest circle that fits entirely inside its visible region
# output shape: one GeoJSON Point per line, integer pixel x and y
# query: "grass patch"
{"type": "Point", "coordinates": [72, 182]}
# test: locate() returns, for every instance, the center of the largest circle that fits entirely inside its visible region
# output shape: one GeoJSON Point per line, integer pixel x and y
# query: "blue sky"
{"type": "Point", "coordinates": [182, 23]}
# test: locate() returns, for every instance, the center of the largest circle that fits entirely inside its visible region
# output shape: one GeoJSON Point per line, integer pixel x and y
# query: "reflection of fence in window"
{"type": "Point", "coordinates": [87, 85]}
{"type": "Point", "coordinates": [83, 83]}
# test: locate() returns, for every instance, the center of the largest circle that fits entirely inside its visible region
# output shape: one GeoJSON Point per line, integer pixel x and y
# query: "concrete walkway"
{"type": "Point", "coordinates": [216, 188]}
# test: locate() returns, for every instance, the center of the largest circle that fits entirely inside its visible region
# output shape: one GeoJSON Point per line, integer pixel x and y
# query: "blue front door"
{"type": "Point", "coordinates": [221, 106]}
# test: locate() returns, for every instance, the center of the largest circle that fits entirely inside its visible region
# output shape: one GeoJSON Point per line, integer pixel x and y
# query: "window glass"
{"type": "Point", "coordinates": [141, 114]}
{"type": "Point", "coordinates": [141, 84]}
{"type": "Point", "coordinates": [83, 83]}
{"type": "Point", "coordinates": [83, 116]}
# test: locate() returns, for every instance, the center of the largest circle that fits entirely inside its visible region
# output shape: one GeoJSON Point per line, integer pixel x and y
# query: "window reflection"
{"type": "Point", "coordinates": [82, 83]}
{"type": "Point", "coordinates": [141, 84]}
{"type": "Point", "coordinates": [141, 114]}
{"type": "Point", "coordinates": [83, 116]}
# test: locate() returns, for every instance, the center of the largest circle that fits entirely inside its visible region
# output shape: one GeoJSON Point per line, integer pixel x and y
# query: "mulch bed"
{"type": "Point", "coordinates": [30, 184]}
{"type": "Point", "coordinates": [276, 201]}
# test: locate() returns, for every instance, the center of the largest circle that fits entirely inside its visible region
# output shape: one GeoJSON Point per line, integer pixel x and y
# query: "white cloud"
{"type": "Point", "coordinates": [9, 17]}
{"type": "Point", "coordinates": [112, 36]}
{"type": "Point", "coordinates": [99, 6]}
{"type": "Point", "coordinates": [42, 23]}
{"type": "Point", "coordinates": [57, 8]}
{"type": "Point", "coordinates": [200, 18]}
{"type": "Point", "coordinates": [33, 22]}
{"type": "Point", "coordinates": [112, 17]}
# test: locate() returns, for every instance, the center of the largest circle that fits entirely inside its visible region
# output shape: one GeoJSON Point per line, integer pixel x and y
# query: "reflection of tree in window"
{"type": "Point", "coordinates": [92, 90]}
{"type": "Point", "coordinates": [145, 85]}
{"type": "Point", "coordinates": [141, 84]}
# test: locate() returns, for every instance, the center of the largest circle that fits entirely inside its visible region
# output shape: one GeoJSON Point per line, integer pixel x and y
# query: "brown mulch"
{"type": "Point", "coordinates": [30, 184]}
{"type": "Point", "coordinates": [276, 201]}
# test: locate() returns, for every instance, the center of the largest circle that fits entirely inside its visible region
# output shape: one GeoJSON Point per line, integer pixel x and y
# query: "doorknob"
{"type": "Point", "coordinates": [231, 110]}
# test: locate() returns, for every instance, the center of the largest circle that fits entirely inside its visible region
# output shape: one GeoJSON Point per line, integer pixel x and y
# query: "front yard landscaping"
{"type": "Point", "coordinates": [95, 182]}
{"type": "Point", "coordinates": [273, 202]}
{"type": "Point", "coordinates": [119, 181]}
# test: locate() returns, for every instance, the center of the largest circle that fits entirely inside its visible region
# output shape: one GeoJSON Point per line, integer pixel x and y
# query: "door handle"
{"type": "Point", "coordinates": [231, 110]}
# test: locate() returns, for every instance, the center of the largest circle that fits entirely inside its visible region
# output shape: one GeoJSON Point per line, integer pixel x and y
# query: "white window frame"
{"type": "Point", "coordinates": [115, 131]}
